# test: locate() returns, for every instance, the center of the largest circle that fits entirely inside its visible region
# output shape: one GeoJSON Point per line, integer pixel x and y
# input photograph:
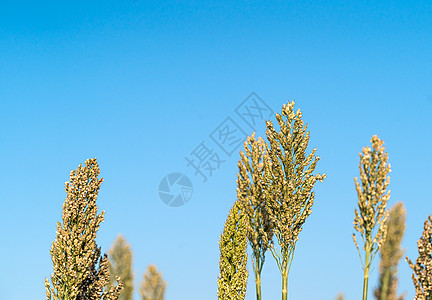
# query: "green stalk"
{"type": "Point", "coordinates": [366, 270]}
{"type": "Point", "coordinates": [257, 270]}
{"type": "Point", "coordinates": [258, 285]}
{"type": "Point", "coordinates": [365, 285]}
{"type": "Point", "coordinates": [284, 286]}
{"type": "Point", "coordinates": [385, 284]}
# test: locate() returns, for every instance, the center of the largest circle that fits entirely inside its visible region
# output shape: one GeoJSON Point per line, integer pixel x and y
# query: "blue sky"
{"type": "Point", "coordinates": [140, 85]}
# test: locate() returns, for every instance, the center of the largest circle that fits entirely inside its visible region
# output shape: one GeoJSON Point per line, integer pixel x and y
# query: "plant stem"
{"type": "Point", "coordinates": [257, 269]}
{"type": "Point", "coordinates": [366, 270]}
{"type": "Point", "coordinates": [284, 286]}
{"type": "Point", "coordinates": [258, 285]}
{"type": "Point", "coordinates": [365, 285]}
{"type": "Point", "coordinates": [385, 284]}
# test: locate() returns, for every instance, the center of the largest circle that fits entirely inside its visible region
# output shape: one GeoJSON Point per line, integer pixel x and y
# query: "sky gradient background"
{"type": "Point", "coordinates": [140, 84]}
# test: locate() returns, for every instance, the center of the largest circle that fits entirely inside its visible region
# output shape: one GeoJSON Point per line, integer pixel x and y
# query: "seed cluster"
{"type": "Point", "coordinates": [372, 197]}
{"type": "Point", "coordinates": [120, 265]}
{"type": "Point", "coordinates": [153, 286]}
{"type": "Point", "coordinates": [251, 195]}
{"type": "Point", "coordinates": [390, 254]}
{"type": "Point", "coordinates": [233, 274]}
{"type": "Point", "coordinates": [422, 276]}
{"type": "Point", "coordinates": [289, 182]}
{"type": "Point", "coordinates": [74, 251]}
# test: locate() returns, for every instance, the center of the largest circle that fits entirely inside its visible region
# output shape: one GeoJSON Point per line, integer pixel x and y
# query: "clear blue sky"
{"type": "Point", "coordinates": [140, 84]}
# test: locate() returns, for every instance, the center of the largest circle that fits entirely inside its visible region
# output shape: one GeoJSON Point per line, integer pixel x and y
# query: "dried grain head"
{"type": "Point", "coordinates": [288, 177]}
{"type": "Point", "coordinates": [74, 252]}
{"type": "Point", "coordinates": [422, 276]}
{"type": "Point", "coordinates": [120, 264]}
{"type": "Point", "coordinates": [232, 280]}
{"type": "Point", "coordinates": [372, 194]}
{"type": "Point", "coordinates": [153, 285]}
{"type": "Point", "coordinates": [251, 194]}
{"type": "Point", "coordinates": [391, 253]}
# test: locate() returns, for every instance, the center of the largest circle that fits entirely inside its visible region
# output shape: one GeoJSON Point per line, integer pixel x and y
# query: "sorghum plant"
{"type": "Point", "coordinates": [74, 252]}
{"type": "Point", "coordinates": [233, 275]}
{"type": "Point", "coordinates": [120, 265]}
{"type": "Point", "coordinates": [289, 182]}
{"type": "Point", "coordinates": [391, 253]}
{"type": "Point", "coordinates": [250, 192]}
{"type": "Point", "coordinates": [340, 296]}
{"type": "Point", "coordinates": [370, 218]}
{"type": "Point", "coordinates": [153, 286]}
{"type": "Point", "coordinates": [422, 276]}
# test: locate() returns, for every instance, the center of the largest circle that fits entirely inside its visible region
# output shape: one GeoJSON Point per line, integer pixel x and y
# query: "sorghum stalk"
{"type": "Point", "coordinates": [152, 286]}
{"type": "Point", "coordinates": [371, 215]}
{"type": "Point", "coordinates": [367, 268]}
{"type": "Point", "coordinates": [74, 252]}
{"type": "Point", "coordinates": [120, 264]}
{"type": "Point", "coordinates": [288, 185]}
{"type": "Point", "coordinates": [233, 274]}
{"type": "Point", "coordinates": [340, 296]}
{"type": "Point", "coordinates": [257, 274]}
{"type": "Point", "coordinates": [422, 276]}
{"type": "Point", "coordinates": [284, 285]}
{"type": "Point", "coordinates": [390, 254]}
{"type": "Point", "coordinates": [251, 195]}
{"type": "Point", "coordinates": [385, 284]}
